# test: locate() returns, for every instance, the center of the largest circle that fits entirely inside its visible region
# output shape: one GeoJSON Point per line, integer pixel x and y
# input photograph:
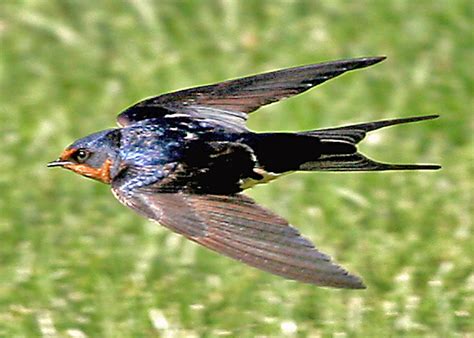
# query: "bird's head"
{"type": "Point", "coordinates": [94, 156]}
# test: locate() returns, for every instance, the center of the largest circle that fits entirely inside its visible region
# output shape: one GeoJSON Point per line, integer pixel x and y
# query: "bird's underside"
{"type": "Point", "coordinates": [200, 196]}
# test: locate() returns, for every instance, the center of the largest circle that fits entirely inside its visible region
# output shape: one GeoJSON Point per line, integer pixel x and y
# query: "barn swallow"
{"type": "Point", "coordinates": [181, 159]}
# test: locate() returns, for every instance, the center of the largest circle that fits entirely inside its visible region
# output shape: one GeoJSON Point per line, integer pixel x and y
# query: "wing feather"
{"type": "Point", "coordinates": [239, 228]}
{"type": "Point", "coordinates": [243, 95]}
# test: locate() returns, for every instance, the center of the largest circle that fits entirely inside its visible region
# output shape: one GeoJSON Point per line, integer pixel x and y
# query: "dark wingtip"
{"type": "Point", "coordinates": [375, 59]}
{"type": "Point", "coordinates": [358, 284]}
{"type": "Point", "coordinates": [424, 117]}
{"type": "Point", "coordinates": [351, 282]}
{"type": "Point", "coordinates": [361, 62]}
{"type": "Point", "coordinates": [369, 60]}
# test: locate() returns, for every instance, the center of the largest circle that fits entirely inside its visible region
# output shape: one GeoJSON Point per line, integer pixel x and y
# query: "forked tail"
{"type": "Point", "coordinates": [338, 150]}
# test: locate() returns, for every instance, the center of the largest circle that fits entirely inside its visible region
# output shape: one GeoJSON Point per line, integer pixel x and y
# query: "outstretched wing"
{"type": "Point", "coordinates": [235, 98]}
{"type": "Point", "coordinates": [237, 227]}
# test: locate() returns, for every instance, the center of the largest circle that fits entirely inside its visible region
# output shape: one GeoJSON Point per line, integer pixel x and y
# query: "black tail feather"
{"type": "Point", "coordinates": [358, 162]}
{"type": "Point", "coordinates": [356, 132]}
{"type": "Point", "coordinates": [338, 152]}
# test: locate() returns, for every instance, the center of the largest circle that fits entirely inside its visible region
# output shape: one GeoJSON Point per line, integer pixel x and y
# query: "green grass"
{"type": "Point", "coordinates": [74, 262]}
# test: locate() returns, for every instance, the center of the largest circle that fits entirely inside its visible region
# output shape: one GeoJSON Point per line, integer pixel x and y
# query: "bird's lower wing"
{"type": "Point", "coordinates": [239, 228]}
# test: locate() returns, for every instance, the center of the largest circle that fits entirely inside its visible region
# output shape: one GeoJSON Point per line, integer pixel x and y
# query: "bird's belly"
{"type": "Point", "coordinates": [267, 177]}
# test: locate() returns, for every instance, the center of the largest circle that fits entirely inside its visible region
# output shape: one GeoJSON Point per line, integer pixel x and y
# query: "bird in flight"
{"type": "Point", "coordinates": [182, 159]}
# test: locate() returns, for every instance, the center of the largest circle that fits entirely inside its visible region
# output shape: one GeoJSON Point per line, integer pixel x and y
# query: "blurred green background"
{"type": "Point", "coordinates": [75, 263]}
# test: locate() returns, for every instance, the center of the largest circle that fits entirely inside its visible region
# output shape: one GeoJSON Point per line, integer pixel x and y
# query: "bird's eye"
{"type": "Point", "coordinates": [81, 155]}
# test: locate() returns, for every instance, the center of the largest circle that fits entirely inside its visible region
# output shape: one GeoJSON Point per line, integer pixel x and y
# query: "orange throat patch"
{"type": "Point", "coordinates": [101, 174]}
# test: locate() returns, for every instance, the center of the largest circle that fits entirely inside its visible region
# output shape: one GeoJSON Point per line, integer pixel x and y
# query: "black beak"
{"type": "Point", "coordinates": [58, 163]}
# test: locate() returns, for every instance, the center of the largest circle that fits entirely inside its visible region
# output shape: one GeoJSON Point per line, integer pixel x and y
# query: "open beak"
{"type": "Point", "coordinates": [58, 163]}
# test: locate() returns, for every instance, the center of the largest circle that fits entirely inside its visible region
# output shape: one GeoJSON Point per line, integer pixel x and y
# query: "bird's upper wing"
{"type": "Point", "coordinates": [230, 101]}
{"type": "Point", "coordinates": [237, 227]}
